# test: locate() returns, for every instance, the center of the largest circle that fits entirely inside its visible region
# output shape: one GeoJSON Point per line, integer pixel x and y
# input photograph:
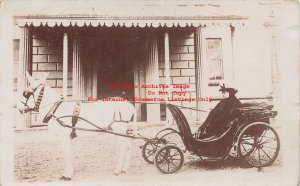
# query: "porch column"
{"type": "Point", "coordinates": [25, 62]}
{"type": "Point", "coordinates": [152, 77]}
{"type": "Point", "coordinates": [167, 74]}
{"type": "Point", "coordinates": [76, 69]}
{"type": "Point", "coordinates": [82, 78]}
{"type": "Point", "coordinates": [200, 80]}
{"type": "Point", "coordinates": [139, 79]}
{"type": "Point", "coordinates": [137, 90]}
{"type": "Point", "coordinates": [94, 80]}
{"type": "Point", "coordinates": [65, 65]}
{"type": "Point", "coordinates": [88, 79]}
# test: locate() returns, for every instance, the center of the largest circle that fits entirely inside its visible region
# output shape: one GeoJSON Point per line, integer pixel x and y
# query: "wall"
{"type": "Point", "coordinates": [251, 58]}
{"type": "Point", "coordinates": [253, 52]}
{"type": "Point", "coordinates": [182, 64]}
{"type": "Point", "coordinates": [47, 57]}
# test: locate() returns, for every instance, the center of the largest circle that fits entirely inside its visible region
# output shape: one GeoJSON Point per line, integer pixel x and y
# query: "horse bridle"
{"type": "Point", "coordinates": [27, 94]}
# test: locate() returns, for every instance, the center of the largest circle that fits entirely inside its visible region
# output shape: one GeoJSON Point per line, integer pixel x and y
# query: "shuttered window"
{"type": "Point", "coordinates": [16, 48]}
{"type": "Point", "coordinates": [215, 61]}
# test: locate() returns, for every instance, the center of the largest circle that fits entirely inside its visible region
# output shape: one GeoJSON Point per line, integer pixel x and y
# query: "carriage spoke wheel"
{"type": "Point", "coordinates": [150, 148]}
{"type": "Point", "coordinates": [258, 144]}
{"type": "Point", "coordinates": [168, 159]}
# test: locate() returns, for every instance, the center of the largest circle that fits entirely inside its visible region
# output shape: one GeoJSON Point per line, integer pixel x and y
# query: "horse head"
{"type": "Point", "coordinates": [34, 95]}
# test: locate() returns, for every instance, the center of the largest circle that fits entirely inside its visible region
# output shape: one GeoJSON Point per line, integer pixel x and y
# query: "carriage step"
{"type": "Point", "coordinates": [212, 158]}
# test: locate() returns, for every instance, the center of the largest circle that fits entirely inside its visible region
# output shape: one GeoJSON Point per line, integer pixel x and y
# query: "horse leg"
{"type": "Point", "coordinates": [127, 154]}
{"type": "Point", "coordinates": [121, 157]}
{"type": "Point", "coordinates": [128, 144]}
{"type": "Point", "coordinates": [121, 145]}
{"type": "Point", "coordinates": [65, 143]}
{"type": "Point", "coordinates": [124, 144]}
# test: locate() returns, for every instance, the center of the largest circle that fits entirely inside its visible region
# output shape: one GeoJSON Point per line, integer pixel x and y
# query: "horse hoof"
{"type": "Point", "coordinates": [64, 178]}
{"type": "Point", "coordinates": [73, 135]}
{"type": "Point", "coordinates": [117, 173]}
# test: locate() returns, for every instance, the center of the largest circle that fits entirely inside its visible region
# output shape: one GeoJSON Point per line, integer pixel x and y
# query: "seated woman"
{"type": "Point", "coordinates": [218, 119]}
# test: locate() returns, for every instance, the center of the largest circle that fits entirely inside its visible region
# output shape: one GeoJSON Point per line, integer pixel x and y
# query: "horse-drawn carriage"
{"type": "Point", "coordinates": [230, 125]}
{"type": "Point", "coordinates": [244, 128]}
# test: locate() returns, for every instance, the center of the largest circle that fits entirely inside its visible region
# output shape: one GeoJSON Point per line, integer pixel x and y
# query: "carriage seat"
{"type": "Point", "coordinates": [214, 137]}
{"type": "Point", "coordinates": [255, 106]}
{"type": "Point", "coordinates": [254, 110]}
{"type": "Point", "coordinates": [185, 130]}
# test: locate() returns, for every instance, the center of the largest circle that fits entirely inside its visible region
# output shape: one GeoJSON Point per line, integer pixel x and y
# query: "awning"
{"type": "Point", "coordinates": [126, 13]}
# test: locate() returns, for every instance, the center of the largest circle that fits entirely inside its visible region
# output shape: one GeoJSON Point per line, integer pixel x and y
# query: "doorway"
{"type": "Point", "coordinates": [112, 53]}
{"type": "Point", "coordinates": [122, 56]}
{"type": "Point", "coordinates": [117, 65]}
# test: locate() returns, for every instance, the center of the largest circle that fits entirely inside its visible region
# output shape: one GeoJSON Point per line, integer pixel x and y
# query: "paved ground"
{"type": "Point", "coordinates": [38, 159]}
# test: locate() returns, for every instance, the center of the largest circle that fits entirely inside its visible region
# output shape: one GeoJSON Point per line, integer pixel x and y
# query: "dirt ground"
{"type": "Point", "coordinates": [38, 160]}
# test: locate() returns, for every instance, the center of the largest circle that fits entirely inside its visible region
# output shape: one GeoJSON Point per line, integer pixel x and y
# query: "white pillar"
{"type": "Point", "coordinates": [80, 75]}
{"type": "Point", "coordinates": [167, 74]}
{"type": "Point", "coordinates": [137, 90]}
{"type": "Point", "coordinates": [88, 79]}
{"type": "Point", "coordinates": [25, 62]}
{"type": "Point", "coordinates": [76, 85]}
{"type": "Point", "coordinates": [74, 72]}
{"type": "Point", "coordinates": [139, 79]}
{"type": "Point", "coordinates": [167, 59]}
{"type": "Point", "coordinates": [94, 84]}
{"type": "Point", "coordinates": [80, 78]}
{"type": "Point", "coordinates": [198, 67]}
{"type": "Point", "coordinates": [152, 77]}
{"type": "Point", "coordinates": [65, 65]}
{"type": "Point", "coordinates": [201, 84]}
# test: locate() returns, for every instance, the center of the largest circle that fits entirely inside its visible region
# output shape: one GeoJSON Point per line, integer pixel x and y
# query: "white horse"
{"type": "Point", "coordinates": [115, 115]}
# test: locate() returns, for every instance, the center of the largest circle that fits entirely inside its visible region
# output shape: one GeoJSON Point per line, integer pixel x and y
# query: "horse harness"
{"type": "Point", "coordinates": [37, 103]}
{"type": "Point", "coordinates": [49, 115]}
{"type": "Point", "coordinates": [75, 117]}
{"type": "Point", "coordinates": [51, 112]}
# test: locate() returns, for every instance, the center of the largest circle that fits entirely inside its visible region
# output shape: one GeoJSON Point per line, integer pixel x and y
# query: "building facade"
{"type": "Point", "coordinates": [102, 49]}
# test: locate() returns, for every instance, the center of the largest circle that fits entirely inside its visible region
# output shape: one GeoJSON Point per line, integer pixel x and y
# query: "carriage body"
{"type": "Point", "coordinates": [219, 145]}
{"type": "Point", "coordinates": [247, 133]}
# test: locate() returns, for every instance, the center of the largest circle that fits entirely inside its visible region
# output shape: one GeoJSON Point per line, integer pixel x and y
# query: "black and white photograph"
{"type": "Point", "coordinates": [149, 92]}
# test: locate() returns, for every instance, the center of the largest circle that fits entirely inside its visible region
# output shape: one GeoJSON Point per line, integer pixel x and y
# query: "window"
{"type": "Point", "coordinates": [16, 45]}
{"type": "Point", "coordinates": [215, 61]}
{"type": "Point", "coordinates": [16, 48]}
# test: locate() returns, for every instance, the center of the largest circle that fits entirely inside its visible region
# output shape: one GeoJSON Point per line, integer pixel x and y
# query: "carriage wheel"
{"type": "Point", "coordinates": [258, 144]}
{"type": "Point", "coordinates": [169, 159]}
{"type": "Point", "coordinates": [150, 148]}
